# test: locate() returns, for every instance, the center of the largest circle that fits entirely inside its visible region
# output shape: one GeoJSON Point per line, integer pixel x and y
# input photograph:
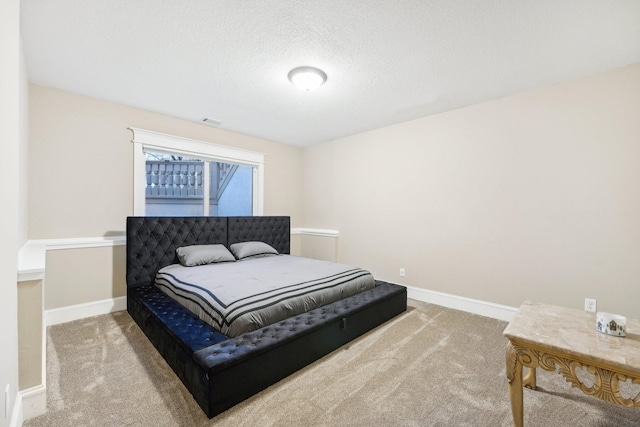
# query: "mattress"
{"type": "Point", "coordinates": [242, 296]}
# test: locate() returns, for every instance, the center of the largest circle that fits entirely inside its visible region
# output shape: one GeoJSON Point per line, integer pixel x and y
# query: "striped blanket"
{"type": "Point", "coordinates": [241, 296]}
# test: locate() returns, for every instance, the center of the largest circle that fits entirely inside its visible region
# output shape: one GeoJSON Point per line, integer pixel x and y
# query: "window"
{"type": "Point", "coordinates": [176, 176]}
{"type": "Point", "coordinates": [175, 186]}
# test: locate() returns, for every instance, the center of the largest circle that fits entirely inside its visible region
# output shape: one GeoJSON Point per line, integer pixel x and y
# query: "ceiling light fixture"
{"type": "Point", "coordinates": [307, 78]}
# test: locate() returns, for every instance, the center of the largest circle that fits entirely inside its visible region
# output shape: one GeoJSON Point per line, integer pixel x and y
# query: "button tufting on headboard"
{"type": "Point", "coordinates": [152, 241]}
{"type": "Point", "coordinates": [274, 230]}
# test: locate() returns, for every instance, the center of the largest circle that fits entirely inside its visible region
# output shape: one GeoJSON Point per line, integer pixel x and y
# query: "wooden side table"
{"type": "Point", "coordinates": [552, 337]}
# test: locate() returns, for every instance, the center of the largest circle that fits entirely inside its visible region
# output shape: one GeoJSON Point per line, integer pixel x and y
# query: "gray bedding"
{"type": "Point", "coordinates": [242, 296]}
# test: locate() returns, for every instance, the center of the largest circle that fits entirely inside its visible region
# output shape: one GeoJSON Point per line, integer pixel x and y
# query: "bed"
{"type": "Point", "coordinates": [217, 369]}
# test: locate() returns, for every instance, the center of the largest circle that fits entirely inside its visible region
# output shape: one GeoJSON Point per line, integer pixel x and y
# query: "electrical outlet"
{"type": "Point", "coordinates": [590, 304]}
{"type": "Point", "coordinates": [402, 272]}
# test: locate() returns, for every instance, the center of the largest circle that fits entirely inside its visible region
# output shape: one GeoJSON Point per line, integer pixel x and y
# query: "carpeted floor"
{"type": "Point", "coordinates": [431, 366]}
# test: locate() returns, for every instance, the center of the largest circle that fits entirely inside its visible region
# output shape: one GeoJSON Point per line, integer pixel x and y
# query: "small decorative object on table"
{"type": "Point", "coordinates": [611, 324]}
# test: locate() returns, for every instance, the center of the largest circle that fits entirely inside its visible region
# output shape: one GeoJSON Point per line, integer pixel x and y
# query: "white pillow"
{"type": "Point", "coordinates": [193, 255]}
{"type": "Point", "coordinates": [252, 249]}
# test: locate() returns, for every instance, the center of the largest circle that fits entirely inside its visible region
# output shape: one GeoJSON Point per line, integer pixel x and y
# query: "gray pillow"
{"type": "Point", "coordinates": [190, 256]}
{"type": "Point", "coordinates": [252, 249]}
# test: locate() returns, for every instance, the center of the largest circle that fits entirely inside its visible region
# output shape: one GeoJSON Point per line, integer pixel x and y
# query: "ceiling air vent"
{"type": "Point", "coordinates": [211, 122]}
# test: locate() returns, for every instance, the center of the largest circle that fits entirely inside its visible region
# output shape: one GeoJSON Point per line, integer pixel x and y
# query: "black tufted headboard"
{"type": "Point", "coordinates": [152, 241]}
{"type": "Point", "coordinates": [274, 230]}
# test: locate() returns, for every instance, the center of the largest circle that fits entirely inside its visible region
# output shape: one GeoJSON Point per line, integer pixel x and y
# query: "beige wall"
{"type": "Point", "coordinates": [527, 197]}
{"type": "Point", "coordinates": [12, 227]}
{"type": "Point", "coordinates": [76, 276]}
{"type": "Point", "coordinates": [23, 155]}
{"type": "Point", "coordinates": [80, 183]}
{"type": "Point", "coordinates": [532, 196]}
{"type": "Point", "coordinates": [30, 333]}
{"type": "Point", "coordinates": [319, 247]}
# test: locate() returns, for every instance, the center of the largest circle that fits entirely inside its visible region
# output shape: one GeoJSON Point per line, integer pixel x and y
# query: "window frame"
{"type": "Point", "coordinates": [145, 140]}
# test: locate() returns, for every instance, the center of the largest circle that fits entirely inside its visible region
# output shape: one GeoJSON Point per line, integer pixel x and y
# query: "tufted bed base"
{"type": "Point", "coordinates": [220, 371]}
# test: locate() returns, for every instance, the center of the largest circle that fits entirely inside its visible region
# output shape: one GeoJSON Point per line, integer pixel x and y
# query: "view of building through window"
{"type": "Point", "coordinates": [182, 186]}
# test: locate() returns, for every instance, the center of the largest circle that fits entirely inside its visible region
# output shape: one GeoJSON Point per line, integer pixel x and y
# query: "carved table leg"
{"type": "Point", "coordinates": [530, 379]}
{"type": "Point", "coordinates": [514, 376]}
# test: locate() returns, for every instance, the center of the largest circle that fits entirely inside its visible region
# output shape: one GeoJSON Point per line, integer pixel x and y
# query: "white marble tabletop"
{"type": "Point", "coordinates": [573, 332]}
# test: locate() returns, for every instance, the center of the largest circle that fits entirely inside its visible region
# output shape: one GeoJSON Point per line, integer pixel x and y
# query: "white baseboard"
{"type": "Point", "coordinates": [16, 416]}
{"type": "Point", "coordinates": [34, 401]}
{"type": "Point", "coordinates": [483, 308]}
{"type": "Point", "coordinates": [81, 311]}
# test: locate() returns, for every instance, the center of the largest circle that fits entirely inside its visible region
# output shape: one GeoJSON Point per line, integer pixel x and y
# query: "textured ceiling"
{"type": "Point", "coordinates": [386, 61]}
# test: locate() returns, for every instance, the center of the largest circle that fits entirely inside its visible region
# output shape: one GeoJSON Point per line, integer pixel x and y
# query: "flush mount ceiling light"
{"type": "Point", "coordinates": [307, 78]}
